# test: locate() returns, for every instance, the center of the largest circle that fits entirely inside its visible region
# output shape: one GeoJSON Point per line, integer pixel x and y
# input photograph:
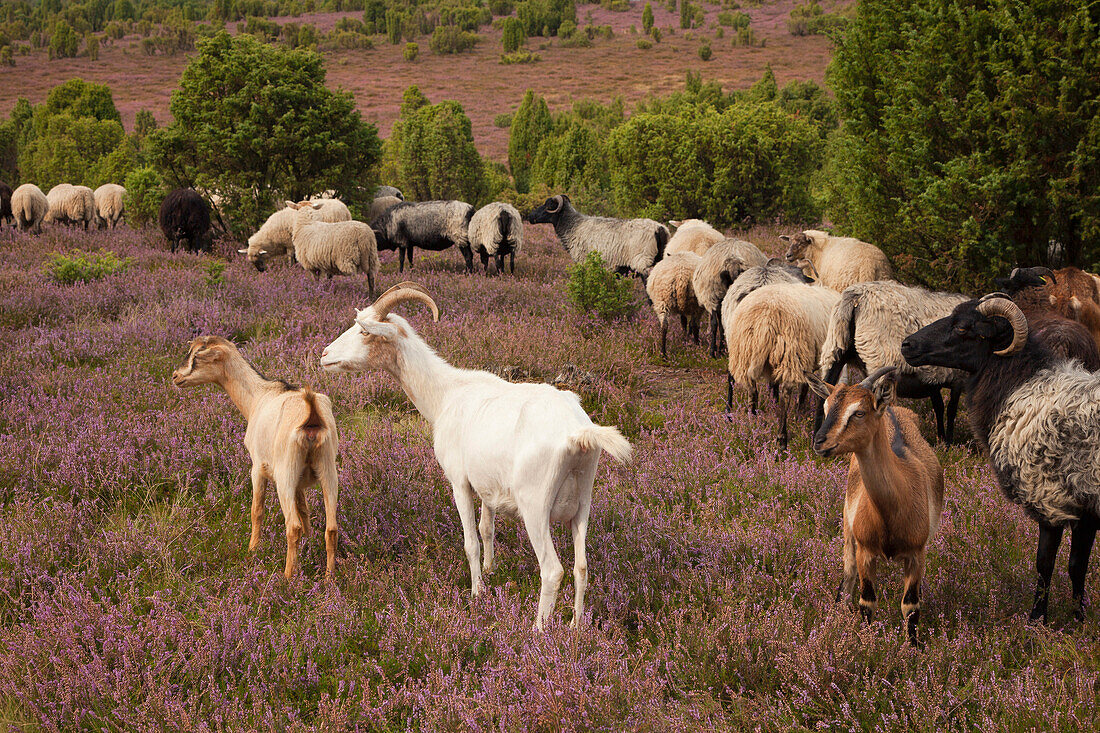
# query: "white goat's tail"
{"type": "Point", "coordinates": [602, 437]}
{"type": "Point", "coordinates": [312, 432]}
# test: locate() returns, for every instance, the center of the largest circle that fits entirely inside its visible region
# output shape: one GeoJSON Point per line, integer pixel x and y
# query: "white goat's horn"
{"type": "Point", "coordinates": [399, 294]}
{"type": "Point", "coordinates": [996, 304]}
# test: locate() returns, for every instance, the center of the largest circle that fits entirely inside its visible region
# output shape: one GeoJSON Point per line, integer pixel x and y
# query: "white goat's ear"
{"type": "Point", "coordinates": [378, 328]}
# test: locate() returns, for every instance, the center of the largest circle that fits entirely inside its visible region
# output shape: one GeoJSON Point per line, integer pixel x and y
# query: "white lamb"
{"type": "Point", "coordinates": [276, 236]}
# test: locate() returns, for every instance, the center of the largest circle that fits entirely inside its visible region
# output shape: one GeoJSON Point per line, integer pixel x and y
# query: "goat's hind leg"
{"type": "Point", "coordinates": [325, 469]}
{"type": "Point", "coordinates": [1050, 537]}
{"type": "Point", "coordinates": [259, 490]}
{"type": "Point", "coordinates": [286, 483]}
{"type": "Point", "coordinates": [579, 526]}
{"type": "Point", "coordinates": [487, 528]}
{"type": "Point", "coordinates": [464, 502]}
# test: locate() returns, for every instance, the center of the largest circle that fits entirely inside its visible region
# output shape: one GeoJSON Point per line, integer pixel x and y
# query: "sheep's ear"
{"type": "Point", "coordinates": [884, 391]}
{"type": "Point", "coordinates": [317, 205]}
{"type": "Point", "coordinates": [820, 387]}
{"type": "Point", "coordinates": [291, 205]}
{"type": "Point", "coordinates": [785, 237]}
{"type": "Point", "coordinates": [263, 251]}
{"type": "Point", "coordinates": [242, 251]}
{"type": "Point", "coordinates": [675, 222]}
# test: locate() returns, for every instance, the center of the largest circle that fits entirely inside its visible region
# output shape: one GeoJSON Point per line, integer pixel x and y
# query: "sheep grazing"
{"type": "Point", "coordinates": [527, 449]}
{"type": "Point", "coordinates": [774, 336]}
{"type": "Point", "coordinates": [693, 235]}
{"type": "Point", "coordinates": [69, 204]}
{"type": "Point", "coordinates": [1067, 338]}
{"type": "Point", "coordinates": [721, 265]}
{"type": "Point", "coordinates": [383, 191]}
{"type": "Point", "coordinates": [110, 205]}
{"type": "Point", "coordinates": [381, 205]}
{"type": "Point", "coordinates": [669, 289]}
{"type": "Point", "coordinates": [839, 261]}
{"type": "Point", "coordinates": [185, 220]}
{"type": "Point", "coordinates": [29, 207]}
{"type": "Point", "coordinates": [291, 439]}
{"type": "Point", "coordinates": [5, 204]}
{"type": "Point", "coordinates": [496, 231]}
{"type": "Point", "coordinates": [333, 247]}
{"type": "Point", "coordinates": [433, 225]}
{"type": "Point", "coordinates": [626, 245]}
{"type": "Point", "coordinates": [894, 498]}
{"type": "Point", "coordinates": [866, 330]}
{"type": "Point", "coordinates": [276, 236]}
{"type": "Point", "coordinates": [1036, 416]}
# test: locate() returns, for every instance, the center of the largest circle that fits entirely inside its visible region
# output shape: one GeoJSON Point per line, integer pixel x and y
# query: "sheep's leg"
{"type": "Point", "coordinates": [370, 284]}
{"type": "Point", "coordinates": [536, 520]}
{"type": "Point", "coordinates": [952, 410]}
{"type": "Point", "coordinates": [330, 489]}
{"type": "Point", "coordinates": [401, 258]}
{"type": "Point", "coordinates": [484, 260]}
{"type": "Point", "coordinates": [782, 397]}
{"type": "Point", "coordinates": [512, 261]}
{"type": "Point", "coordinates": [664, 336]}
{"type": "Point", "coordinates": [579, 526]}
{"type": "Point", "coordinates": [910, 599]}
{"type": "Point", "coordinates": [684, 326]}
{"type": "Point", "coordinates": [848, 581]}
{"type": "Point", "coordinates": [468, 256]}
{"type": "Point", "coordinates": [729, 392]}
{"type": "Point", "coordinates": [803, 395]}
{"type": "Point", "coordinates": [866, 567]}
{"type": "Point", "coordinates": [286, 483]}
{"type": "Point", "coordinates": [464, 502]}
{"type": "Point", "coordinates": [487, 528]}
{"type": "Point", "coordinates": [754, 395]}
{"type": "Point", "coordinates": [259, 489]}
{"type": "Point", "coordinates": [1050, 537]}
{"type": "Point", "coordinates": [1083, 535]}
{"type": "Point", "coordinates": [937, 407]}
{"type": "Point", "coordinates": [713, 328]}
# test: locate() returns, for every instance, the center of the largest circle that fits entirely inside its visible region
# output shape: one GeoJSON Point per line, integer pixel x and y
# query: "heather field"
{"type": "Point", "coordinates": [129, 600]}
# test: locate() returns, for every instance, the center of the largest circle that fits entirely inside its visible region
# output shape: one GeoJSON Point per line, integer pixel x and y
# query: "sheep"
{"type": "Point", "coordinates": [1036, 416]}
{"type": "Point", "coordinates": [434, 225]}
{"type": "Point", "coordinates": [626, 245]}
{"type": "Point", "coordinates": [774, 335]}
{"type": "Point", "coordinates": [894, 498]}
{"type": "Point", "coordinates": [496, 230]}
{"type": "Point", "coordinates": [693, 235]}
{"type": "Point", "coordinates": [866, 330]}
{"type": "Point", "coordinates": [721, 265]}
{"type": "Point", "coordinates": [344, 247]}
{"type": "Point", "coordinates": [840, 261]}
{"type": "Point", "coordinates": [1026, 286]}
{"type": "Point", "coordinates": [383, 191]}
{"type": "Point", "coordinates": [185, 218]}
{"type": "Point", "coordinates": [276, 236]}
{"type": "Point", "coordinates": [380, 206]}
{"type": "Point", "coordinates": [525, 448]}
{"type": "Point", "coordinates": [291, 438]}
{"type": "Point", "coordinates": [69, 204]}
{"type": "Point", "coordinates": [669, 289]}
{"type": "Point", "coordinates": [110, 204]}
{"type": "Point", "coordinates": [29, 207]}
{"type": "Point", "coordinates": [5, 204]}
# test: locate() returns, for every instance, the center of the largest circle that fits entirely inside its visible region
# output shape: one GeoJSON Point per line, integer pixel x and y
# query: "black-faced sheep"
{"type": "Point", "coordinates": [432, 225]}
{"type": "Point", "coordinates": [5, 204]}
{"type": "Point", "coordinates": [276, 236]}
{"type": "Point", "coordinates": [110, 204]}
{"type": "Point", "coordinates": [866, 330]}
{"type": "Point", "coordinates": [670, 292]}
{"type": "Point", "coordinates": [382, 191]}
{"type": "Point", "coordinates": [185, 220]}
{"type": "Point", "coordinates": [721, 265]}
{"type": "Point", "coordinates": [693, 235]}
{"type": "Point", "coordinates": [626, 245]}
{"type": "Point", "coordinates": [839, 261]}
{"type": "Point", "coordinates": [1037, 417]}
{"type": "Point", "coordinates": [29, 207]}
{"type": "Point", "coordinates": [69, 204]}
{"type": "Point", "coordinates": [333, 247]}
{"type": "Point", "coordinates": [496, 231]}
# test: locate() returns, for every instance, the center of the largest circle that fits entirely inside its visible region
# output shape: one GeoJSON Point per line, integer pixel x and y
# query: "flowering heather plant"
{"type": "Point", "coordinates": [128, 600]}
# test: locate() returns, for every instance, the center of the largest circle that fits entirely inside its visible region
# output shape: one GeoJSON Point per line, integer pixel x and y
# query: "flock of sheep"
{"type": "Point", "coordinates": [1026, 357]}
{"type": "Point", "coordinates": [28, 208]}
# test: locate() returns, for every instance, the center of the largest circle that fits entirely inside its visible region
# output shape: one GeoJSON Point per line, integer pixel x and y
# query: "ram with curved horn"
{"type": "Point", "coordinates": [1036, 415]}
{"type": "Point", "coordinates": [526, 449]}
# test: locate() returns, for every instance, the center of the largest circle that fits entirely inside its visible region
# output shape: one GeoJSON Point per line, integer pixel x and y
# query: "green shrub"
{"type": "Point", "coordinates": [644, 44]}
{"type": "Point", "coordinates": [592, 287]}
{"type": "Point", "coordinates": [411, 52]}
{"type": "Point", "coordinates": [523, 56]}
{"type": "Point", "coordinates": [504, 120]}
{"type": "Point", "coordinates": [705, 52]}
{"type": "Point", "coordinates": [215, 272]}
{"type": "Point", "coordinates": [513, 35]}
{"type": "Point", "coordinates": [144, 192]}
{"type": "Point", "coordinates": [809, 19]}
{"type": "Point", "coordinates": [656, 35]}
{"type": "Point", "coordinates": [7, 58]}
{"type": "Point", "coordinates": [451, 39]}
{"type": "Point", "coordinates": [647, 18]}
{"type": "Point", "coordinates": [79, 266]}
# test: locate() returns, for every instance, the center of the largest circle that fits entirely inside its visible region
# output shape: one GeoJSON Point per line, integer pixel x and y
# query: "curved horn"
{"type": "Point", "coordinates": [876, 375]}
{"type": "Point", "coordinates": [802, 264]}
{"type": "Point", "coordinates": [1044, 271]}
{"type": "Point", "coordinates": [1012, 275]}
{"type": "Point", "coordinates": [996, 304]}
{"type": "Point", "coordinates": [557, 200]}
{"type": "Point", "coordinates": [399, 294]}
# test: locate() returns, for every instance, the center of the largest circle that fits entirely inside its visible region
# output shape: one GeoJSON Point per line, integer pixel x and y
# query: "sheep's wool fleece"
{"type": "Point", "coordinates": [1044, 444]}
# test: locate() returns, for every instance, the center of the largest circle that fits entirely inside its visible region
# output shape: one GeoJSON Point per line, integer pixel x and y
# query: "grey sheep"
{"type": "Point", "coordinates": [720, 266]}
{"type": "Point", "coordinates": [110, 204]}
{"type": "Point", "coordinates": [69, 204]}
{"type": "Point", "coordinates": [496, 231]}
{"type": "Point", "coordinates": [626, 245]}
{"type": "Point", "coordinates": [29, 207]}
{"type": "Point", "coordinates": [333, 248]}
{"type": "Point", "coordinates": [432, 225]}
{"type": "Point", "coordinates": [669, 289]}
{"type": "Point", "coordinates": [382, 191]}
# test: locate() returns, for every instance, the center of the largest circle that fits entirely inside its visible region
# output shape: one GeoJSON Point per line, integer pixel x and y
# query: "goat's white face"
{"type": "Point", "coordinates": [351, 351]}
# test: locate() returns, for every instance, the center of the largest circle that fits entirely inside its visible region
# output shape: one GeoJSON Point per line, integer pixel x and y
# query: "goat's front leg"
{"type": "Point", "coordinates": [537, 522]}
{"type": "Point", "coordinates": [259, 489]}
{"type": "Point", "coordinates": [865, 565]}
{"type": "Point", "coordinates": [330, 488]}
{"type": "Point", "coordinates": [487, 527]}
{"type": "Point", "coordinates": [464, 502]}
{"type": "Point", "coordinates": [910, 599]}
{"type": "Point", "coordinates": [847, 589]}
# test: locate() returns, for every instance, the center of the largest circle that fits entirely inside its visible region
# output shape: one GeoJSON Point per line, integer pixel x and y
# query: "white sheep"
{"type": "Point", "coordinates": [774, 337]}
{"type": "Point", "coordinates": [693, 235]}
{"type": "Point", "coordinates": [670, 291]}
{"type": "Point", "coordinates": [626, 245]}
{"type": "Point", "coordinates": [496, 230]}
{"type": "Point", "coordinates": [69, 204]}
{"type": "Point", "coordinates": [276, 235]}
{"type": "Point", "coordinates": [29, 207]}
{"type": "Point", "coordinates": [838, 261]}
{"type": "Point", "coordinates": [339, 247]}
{"type": "Point", "coordinates": [721, 265]}
{"type": "Point", "coordinates": [291, 439]}
{"type": "Point", "coordinates": [110, 204]}
{"type": "Point", "coordinates": [528, 449]}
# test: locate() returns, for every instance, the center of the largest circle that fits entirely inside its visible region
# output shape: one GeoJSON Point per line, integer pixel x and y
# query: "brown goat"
{"type": "Point", "coordinates": [291, 438]}
{"type": "Point", "coordinates": [1074, 294]}
{"type": "Point", "coordinates": [895, 486]}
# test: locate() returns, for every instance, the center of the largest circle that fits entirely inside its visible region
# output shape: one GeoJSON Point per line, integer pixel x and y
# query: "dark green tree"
{"type": "Point", "coordinates": [436, 156]}
{"type": "Point", "coordinates": [257, 124]}
{"type": "Point", "coordinates": [513, 35]}
{"type": "Point", "coordinates": [647, 18]}
{"type": "Point", "coordinates": [970, 136]}
{"type": "Point", "coordinates": [64, 41]}
{"type": "Point", "coordinates": [531, 124]}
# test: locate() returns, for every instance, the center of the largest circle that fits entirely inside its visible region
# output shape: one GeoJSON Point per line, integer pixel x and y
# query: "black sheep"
{"type": "Point", "coordinates": [185, 220]}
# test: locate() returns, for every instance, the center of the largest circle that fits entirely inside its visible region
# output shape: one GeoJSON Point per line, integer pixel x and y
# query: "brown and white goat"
{"type": "Point", "coordinates": [291, 438]}
{"type": "Point", "coordinates": [895, 486]}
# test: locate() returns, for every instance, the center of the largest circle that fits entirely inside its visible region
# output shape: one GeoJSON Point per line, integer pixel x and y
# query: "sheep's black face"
{"type": "Point", "coordinates": [548, 213]}
{"type": "Point", "coordinates": [1023, 277]}
{"type": "Point", "coordinates": [963, 340]}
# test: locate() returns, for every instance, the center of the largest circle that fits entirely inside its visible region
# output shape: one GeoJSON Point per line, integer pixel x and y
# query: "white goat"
{"type": "Point", "coordinates": [527, 449]}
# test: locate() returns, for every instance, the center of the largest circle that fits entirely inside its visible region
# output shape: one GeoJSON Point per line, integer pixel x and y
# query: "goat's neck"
{"type": "Point", "coordinates": [883, 473]}
{"type": "Point", "coordinates": [423, 375]}
{"type": "Point", "coordinates": [243, 385]}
